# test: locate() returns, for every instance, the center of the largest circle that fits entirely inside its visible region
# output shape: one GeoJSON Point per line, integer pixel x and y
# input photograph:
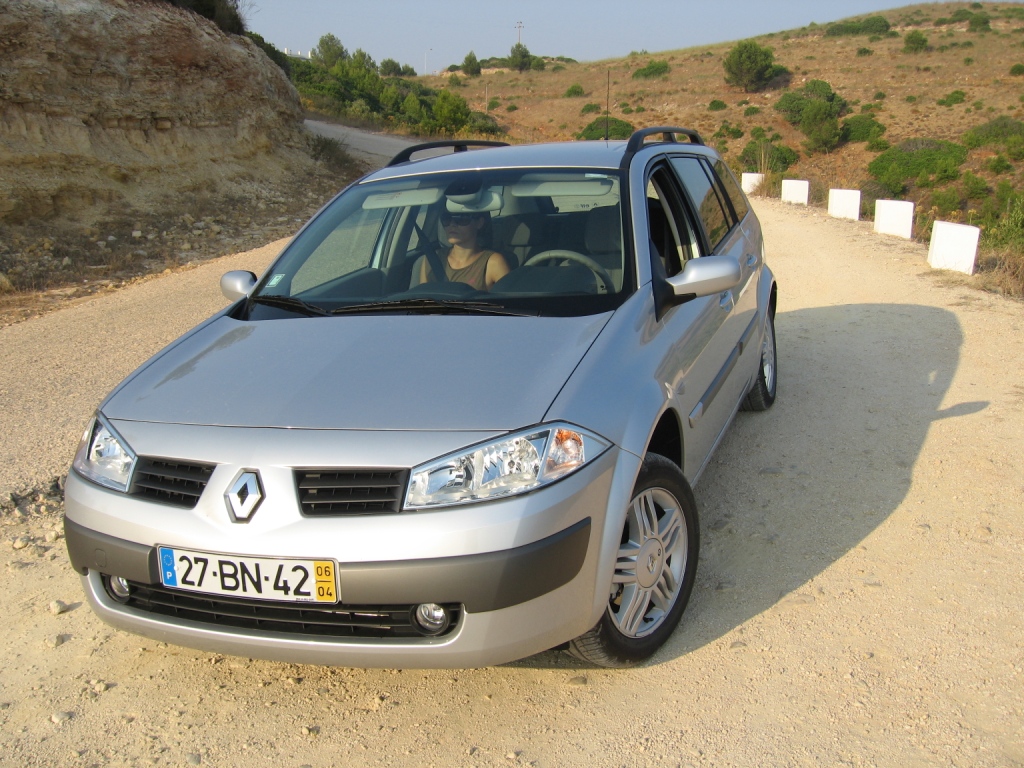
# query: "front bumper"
{"type": "Point", "coordinates": [526, 571]}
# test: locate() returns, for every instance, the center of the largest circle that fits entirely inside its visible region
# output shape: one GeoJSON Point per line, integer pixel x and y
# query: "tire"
{"type": "Point", "coordinates": [655, 570]}
{"type": "Point", "coordinates": [762, 394]}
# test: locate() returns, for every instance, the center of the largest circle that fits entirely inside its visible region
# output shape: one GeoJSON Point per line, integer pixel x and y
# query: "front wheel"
{"type": "Point", "coordinates": [655, 569]}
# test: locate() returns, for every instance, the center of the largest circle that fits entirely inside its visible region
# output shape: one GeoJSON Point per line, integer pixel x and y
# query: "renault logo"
{"type": "Point", "coordinates": [244, 496]}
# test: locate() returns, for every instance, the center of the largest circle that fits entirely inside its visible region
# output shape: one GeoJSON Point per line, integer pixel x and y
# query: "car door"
{"type": "Point", "coordinates": [699, 350]}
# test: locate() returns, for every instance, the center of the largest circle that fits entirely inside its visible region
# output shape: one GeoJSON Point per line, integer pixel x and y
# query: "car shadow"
{"type": "Point", "coordinates": [792, 490]}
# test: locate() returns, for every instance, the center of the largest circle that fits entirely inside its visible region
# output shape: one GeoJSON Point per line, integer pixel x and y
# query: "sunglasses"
{"type": "Point", "coordinates": [458, 219]}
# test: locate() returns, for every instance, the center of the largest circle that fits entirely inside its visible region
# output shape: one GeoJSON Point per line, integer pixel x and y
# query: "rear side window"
{"type": "Point", "coordinates": [732, 190]}
{"type": "Point", "coordinates": [704, 196]}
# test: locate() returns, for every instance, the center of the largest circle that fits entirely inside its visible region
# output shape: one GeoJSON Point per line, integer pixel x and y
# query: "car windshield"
{"type": "Point", "coordinates": [523, 241]}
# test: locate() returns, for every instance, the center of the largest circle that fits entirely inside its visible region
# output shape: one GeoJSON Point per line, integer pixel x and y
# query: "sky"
{"type": "Point", "coordinates": [430, 36]}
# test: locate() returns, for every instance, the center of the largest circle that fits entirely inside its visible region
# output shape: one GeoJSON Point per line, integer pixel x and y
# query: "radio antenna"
{"type": "Point", "coordinates": [607, 105]}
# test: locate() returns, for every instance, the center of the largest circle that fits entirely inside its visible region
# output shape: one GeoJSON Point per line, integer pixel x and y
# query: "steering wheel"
{"type": "Point", "coordinates": [559, 254]}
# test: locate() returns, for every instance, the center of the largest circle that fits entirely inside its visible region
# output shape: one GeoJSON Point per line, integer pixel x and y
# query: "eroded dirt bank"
{"type": "Point", "coordinates": [859, 590]}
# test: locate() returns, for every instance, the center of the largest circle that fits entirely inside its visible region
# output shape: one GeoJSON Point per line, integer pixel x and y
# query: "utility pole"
{"type": "Point", "coordinates": [519, 29]}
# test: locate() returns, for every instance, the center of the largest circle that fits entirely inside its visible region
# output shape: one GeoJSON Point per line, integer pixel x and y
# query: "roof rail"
{"type": "Point", "coordinates": [460, 145]}
{"type": "Point", "coordinates": [636, 141]}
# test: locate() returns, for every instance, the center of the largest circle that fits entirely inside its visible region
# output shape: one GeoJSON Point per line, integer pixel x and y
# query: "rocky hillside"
{"type": "Point", "coordinates": [124, 104]}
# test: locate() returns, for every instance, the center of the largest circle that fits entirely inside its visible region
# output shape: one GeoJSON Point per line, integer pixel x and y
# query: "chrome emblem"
{"type": "Point", "coordinates": [245, 496]}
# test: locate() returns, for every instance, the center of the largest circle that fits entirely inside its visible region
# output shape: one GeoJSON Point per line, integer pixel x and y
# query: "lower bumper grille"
{"type": "Point", "coordinates": [338, 620]}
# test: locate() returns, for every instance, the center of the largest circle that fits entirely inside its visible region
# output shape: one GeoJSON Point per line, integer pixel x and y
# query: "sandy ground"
{"type": "Point", "coordinates": [858, 601]}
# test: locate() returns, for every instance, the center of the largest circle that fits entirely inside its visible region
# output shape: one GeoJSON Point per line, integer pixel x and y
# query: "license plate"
{"type": "Point", "coordinates": [261, 578]}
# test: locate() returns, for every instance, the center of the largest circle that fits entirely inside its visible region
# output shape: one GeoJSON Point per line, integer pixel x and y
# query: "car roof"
{"type": "Point", "coordinates": [567, 154]}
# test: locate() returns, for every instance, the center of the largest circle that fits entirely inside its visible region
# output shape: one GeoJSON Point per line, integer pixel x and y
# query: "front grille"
{"type": "Point", "coordinates": [169, 481]}
{"type": "Point", "coordinates": [336, 620]}
{"type": "Point", "coordinates": [350, 491]}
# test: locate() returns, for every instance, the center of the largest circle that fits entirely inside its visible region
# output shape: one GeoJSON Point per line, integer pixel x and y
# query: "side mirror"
{"type": "Point", "coordinates": [237, 284]}
{"type": "Point", "coordinates": [705, 276]}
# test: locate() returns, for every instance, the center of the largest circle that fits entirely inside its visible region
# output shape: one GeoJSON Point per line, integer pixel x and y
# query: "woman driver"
{"type": "Point", "coordinates": [467, 261]}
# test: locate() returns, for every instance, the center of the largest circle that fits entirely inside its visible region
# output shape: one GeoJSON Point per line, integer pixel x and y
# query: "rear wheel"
{"type": "Point", "coordinates": [655, 570]}
{"type": "Point", "coordinates": [762, 394]}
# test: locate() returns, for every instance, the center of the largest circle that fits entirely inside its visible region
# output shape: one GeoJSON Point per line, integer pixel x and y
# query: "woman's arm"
{"type": "Point", "coordinates": [497, 268]}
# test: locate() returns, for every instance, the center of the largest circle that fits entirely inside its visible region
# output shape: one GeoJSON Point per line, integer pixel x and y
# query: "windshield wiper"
{"type": "Point", "coordinates": [289, 302]}
{"type": "Point", "coordinates": [432, 305]}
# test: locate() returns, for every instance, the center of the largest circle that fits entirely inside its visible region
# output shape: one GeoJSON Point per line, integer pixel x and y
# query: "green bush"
{"type": "Point", "coordinates": [616, 129]}
{"type": "Point", "coordinates": [915, 42]}
{"type": "Point", "coordinates": [512, 108]}
{"type": "Point", "coordinates": [717, 105]}
{"type": "Point", "coordinates": [493, 103]}
{"type": "Point", "coordinates": [749, 66]}
{"type": "Point", "coordinates": [1015, 147]}
{"type": "Point", "coordinates": [975, 187]}
{"type": "Point", "coordinates": [820, 126]}
{"type": "Point", "coordinates": [471, 65]}
{"type": "Point", "coordinates": [276, 56]}
{"type": "Point", "coordinates": [979, 22]}
{"type": "Point", "coordinates": [483, 123]}
{"type": "Point", "coordinates": [589, 109]}
{"type": "Point", "coordinates": [952, 98]}
{"type": "Point", "coordinates": [865, 52]}
{"type": "Point", "coordinates": [879, 95]}
{"type": "Point", "coordinates": [226, 14]}
{"type": "Point", "coordinates": [728, 131]}
{"type": "Point", "coordinates": [998, 164]}
{"type": "Point", "coordinates": [656, 68]}
{"type": "Point", "coordinates": [574, 91]}
{"type": "Point", "coordinates": [751, 111]}
{"type": "Point", "coordinates": [910, 99]}
{"type": "Point", "coordinates": [793, 103]}
{"type": "Point", "coordinates": [454, 81]}
{"type": "Point", "coordinates": [877, 144]}
{"type": "Point", "coordinates": [1017, 69]}
{"type": "Point", "coordinates": [908, 160]}
{"type": "Point", "coordinates": [946, 200]}
{"type": "Point", "coordinates": [763, 156]}
{"type": "Point", "coordinates": [874, 25]}
{"type": "Point", "coordinates": [861, 128]}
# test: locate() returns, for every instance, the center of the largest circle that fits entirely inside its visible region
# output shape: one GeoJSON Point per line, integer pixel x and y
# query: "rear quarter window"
{"type": "Point", "coordinates": [732, 190]}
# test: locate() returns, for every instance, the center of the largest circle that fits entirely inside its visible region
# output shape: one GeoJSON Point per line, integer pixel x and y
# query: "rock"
{"type": "Point", "coordinates": [58, 607]}
{"type": "Point", "coordinates": [51, 536]}
{"type": "Point", "coordinates": [61, 717]}
{"type": "Point", "coordinates": [56, 640]}
{"type": "Point", "coordinates": [101, 687]}
{"type": "Point", "coordinates": [736, 645]}
{"type": "Point", "coordinates": [136, 234]}
{"type": "Point", "coordinates": [21, 542]}
{"type": "Point", "coordinates": [578, 680]}
{"type": "Point", "coordinates": [193, 758]}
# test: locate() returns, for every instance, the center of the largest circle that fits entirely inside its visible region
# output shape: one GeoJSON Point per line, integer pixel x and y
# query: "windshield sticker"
{"type": "Point", "coordinates": [275, 280]}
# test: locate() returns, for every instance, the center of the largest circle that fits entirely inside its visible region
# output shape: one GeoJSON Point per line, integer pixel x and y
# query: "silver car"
{"type": "Point", "coordinates": [455, 423]}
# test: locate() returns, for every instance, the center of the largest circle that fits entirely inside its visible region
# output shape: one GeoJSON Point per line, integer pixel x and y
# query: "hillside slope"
{"type": "Point", "coordinates": [118, 103]}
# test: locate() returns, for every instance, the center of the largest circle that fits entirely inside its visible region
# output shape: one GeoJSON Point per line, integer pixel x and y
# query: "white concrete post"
{"type": "Point", "coordinates": [751, 181]}
{"type": "Point", "coordinates": [844, 203]}
{"type": "Point", "coordinates": [894, 217]}
{"type": "Point", "coordinates": [794, 191]}
{"type": "Point", "coordinates": [954, 246]}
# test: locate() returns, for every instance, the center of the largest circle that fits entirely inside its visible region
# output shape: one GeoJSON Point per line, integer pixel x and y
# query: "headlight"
{"type": "Point", "coordinates": [104, 457]}
{"type": "Point", "coordinates": [508, 466]}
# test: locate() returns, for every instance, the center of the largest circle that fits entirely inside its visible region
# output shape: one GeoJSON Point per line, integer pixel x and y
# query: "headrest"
{"type": "Point", "coordinates": [604, 230]}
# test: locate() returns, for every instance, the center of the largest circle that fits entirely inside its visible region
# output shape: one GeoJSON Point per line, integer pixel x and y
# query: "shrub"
{"type": "Point", "coordinates": [968, 61]}
{"type": "Point", "coordinates": [590, 108]}
{"type": "Point", "coordinates": [877, 144]}
{"type": "Point", "coordinates": [616, 129]}
{"type": "Point", "coordinates": [861, 128]}
{"type": "Point", "coordinates": [874, 25]}
{"type": "Point", "coordinates": [512, 108]}
{"type": "Point", "coordinates": [1015, 147]}
{"type": "Point", "coordinates": [749, 66]}
{"type": "Point", "coordinates": [915, 42]}
{"type": "Point", "coordinates": [820, 126]}
{"type": "Point", "coordinates": [493, 103]}
{"type": "Point", "coordinates": [226, 14]}
{"type": "Point", "coordinates": [952, 98]}
{"type": "Point", "coordinates": [482, 123]}
{"type": "Point", "coordinates": [763, 156]}
{"type": "Point", "coordinates": [879, 95]}
{"type": "Point", "coordinates": [975, 187]}
{"type": "Point", "coordinates": [998, 164]}
{"type": "Point", "coordinates": [910, 99]}
{"type": "Point", "coordinates": [908, 160]}
{"type": "Point", "coordinates": [276, 56]}
{"type": "Point", "coordinates": [946, 200]}
{"type": "Point", "coordinates": [656, 68]}
{"type": "Point", "coordinates": [865, 52]}
{"type": "Point", "coordinates": [574, 91]}
{"type": "Point", "coordinates": [519, 58]}
{"type": "Point", "coordinates": [793, 103]}
{"type": "Point", "coordinates": [454, 81]}
{"type": "Point", "coordinates": [717, 105]}
{"type": "Point", "coordinates": [751, 111]}
{"type": "Point", "coordinates": [728, 131]}
{"type": "Point", "coordinates": [979, 22]}
{"type": "Point", "coordinates": [1017, 70]}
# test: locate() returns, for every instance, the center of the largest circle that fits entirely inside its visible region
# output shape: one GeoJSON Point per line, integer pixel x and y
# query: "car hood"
{"type": "Point", "coordinates": [390, 372]}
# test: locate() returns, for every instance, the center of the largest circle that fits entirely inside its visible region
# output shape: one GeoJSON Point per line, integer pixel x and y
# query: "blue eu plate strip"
{"type": "Point", "coordinates": [167, 573]}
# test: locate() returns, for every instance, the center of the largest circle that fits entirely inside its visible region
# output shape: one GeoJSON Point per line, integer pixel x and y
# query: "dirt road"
{"type": "Point", "coordinates": [859, 594]}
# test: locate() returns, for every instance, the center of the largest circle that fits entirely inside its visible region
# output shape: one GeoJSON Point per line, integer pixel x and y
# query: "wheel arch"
{"type": "Point", "coordinates": [667, 438]}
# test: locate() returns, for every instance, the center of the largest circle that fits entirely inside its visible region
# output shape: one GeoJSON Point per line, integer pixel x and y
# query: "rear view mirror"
{"type": "Point", "coordinates": [705, 276]}
{"type": "Point", "coordinates": [237, 284]}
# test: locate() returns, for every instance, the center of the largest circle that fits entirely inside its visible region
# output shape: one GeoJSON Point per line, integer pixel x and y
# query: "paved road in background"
{"type": "Point", "coordinates": [373, 148]}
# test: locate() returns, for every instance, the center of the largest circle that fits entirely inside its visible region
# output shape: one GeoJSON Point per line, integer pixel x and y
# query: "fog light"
{"type": "Point", "coordinates": [119, 588]}
{"type": "Point", "coordinates": [431, 618]}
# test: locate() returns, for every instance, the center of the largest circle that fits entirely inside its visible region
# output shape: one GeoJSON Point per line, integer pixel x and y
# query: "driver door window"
{"type": "Point", "coordinates": [672, 237]}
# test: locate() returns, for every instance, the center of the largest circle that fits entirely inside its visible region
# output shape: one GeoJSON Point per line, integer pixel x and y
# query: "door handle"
{"type": "Point", "coordinates": [751, 259]}
{"type": "Point", "coordinates": [725, 300]}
